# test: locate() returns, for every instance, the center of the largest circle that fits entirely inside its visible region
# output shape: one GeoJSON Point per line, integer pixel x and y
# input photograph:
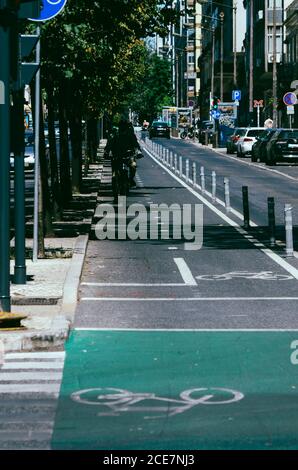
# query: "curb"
{"type": "Point", "coordinates": [44, 333]}
{"type": "Point", "coordinates": [73, 277]}
{"type": "Point", "coordinates": [36, 340]}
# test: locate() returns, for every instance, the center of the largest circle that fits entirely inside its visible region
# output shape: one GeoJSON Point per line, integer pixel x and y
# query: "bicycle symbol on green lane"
{"type": "Point", "coordinates": [117, 401]}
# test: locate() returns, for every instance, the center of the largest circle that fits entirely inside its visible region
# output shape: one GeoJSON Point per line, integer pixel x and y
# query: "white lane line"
{"type": "Point", "coordinates": [276, 258]}
{"type": "Point", "coordinates": [185, 272]}
{"type": "Point", "coordinates": [133, 284]}
{"type": "Point", "coordinates": [30, 376]}
{"type": "Point", "coordinates": [33, 365]}
{"type": "Point", "coordinates": [191, 330]}
{"type": "Point", "coordinates": [182, 299]}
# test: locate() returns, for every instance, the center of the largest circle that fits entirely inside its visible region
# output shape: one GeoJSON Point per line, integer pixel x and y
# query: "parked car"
{"type": "Point", "coordinates": [29, 158]}
{"type": "Point", "coordinates": [232, 140]}
{"type": "Point", "coordinates": [282, 147]}
{"type": "Point", "coordinates": [246, 141]}
{"type": "Point", "coordinates": [159, 129]}
{"type": "Point", "coordinates": [259, 148]}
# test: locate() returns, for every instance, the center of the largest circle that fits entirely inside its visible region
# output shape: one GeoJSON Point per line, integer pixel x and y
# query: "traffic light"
{"type": "Point", "coordinates": [215, 103]}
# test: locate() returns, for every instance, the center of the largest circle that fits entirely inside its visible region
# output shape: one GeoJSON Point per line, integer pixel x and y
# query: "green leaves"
{"type": "Point", "coordinates": [97, 45]}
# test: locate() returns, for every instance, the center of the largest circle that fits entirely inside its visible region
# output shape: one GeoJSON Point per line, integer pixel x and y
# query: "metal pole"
{"type": "Point", "coordinates": [212, 63]}
{"type": "Point", "coordinates": [4, 169]}
{"type": "Point", "coordinates": [289, 230]}
{"type": "Point", "coordinates": [213, 184]}
{"type": "Point", "coordinates": [258, 115]}
{"type": "Point", "coordinates": [221, 54]}
{"type": "Point", "coordinates": [19, 190]}
{"type": "Point", "coordinates": [245, 206]}
{"type": "Point", "coordinates": [167, 157]}
{"type": "Point", "coordinates": [271, 220]}
{"type": "Point", "coordinates": [36, 152]}
{"type": "Point", "coordinates": [235, 43]}
{"type": "Point", "coordinates": [202, 176]}
{"type": "Point", "coordinates": [175, 162]}
{"type": "Point", "coordinates": [227, 194]}
{"type": "Point", "coordinates": [251, 59]}
{"type": "Point", "coordinates": [274, 75]}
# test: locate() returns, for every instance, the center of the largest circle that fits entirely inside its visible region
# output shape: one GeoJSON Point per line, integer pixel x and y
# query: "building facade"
{"type": "Point", "coordinates": [216, 62]}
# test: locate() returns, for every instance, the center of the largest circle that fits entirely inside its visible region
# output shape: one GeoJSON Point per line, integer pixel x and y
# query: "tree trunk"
{"type": "Point", "coordinates": [75, 123]}
{"type": "Point", "coordinates": [44, 175]}
{"type": "Point", "coordinates": [55, 187]}
{"type": "Point", "coordinates": [65, 181]}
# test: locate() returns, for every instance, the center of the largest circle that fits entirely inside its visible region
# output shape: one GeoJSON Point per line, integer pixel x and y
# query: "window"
{"type": "Point", "coordinates": [278, 39]}
{"type": "Point", "coordinates": [278, 3]}
{"type": "Point", "coordinates": [191, 58]}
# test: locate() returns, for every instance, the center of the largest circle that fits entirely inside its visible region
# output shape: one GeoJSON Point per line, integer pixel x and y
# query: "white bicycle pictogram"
{"type": "Point", "coordinates": [263, 275]}
{"type": "Point", "coordinates": [117, 401]}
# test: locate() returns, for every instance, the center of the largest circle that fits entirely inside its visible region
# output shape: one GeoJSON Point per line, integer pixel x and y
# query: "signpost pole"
{"type": "Point", "coordinates": [36, 149]}
{"type": "Point", "coordinates": [5, 168]}
{"type": "Point", "coordinates": [258, 115]}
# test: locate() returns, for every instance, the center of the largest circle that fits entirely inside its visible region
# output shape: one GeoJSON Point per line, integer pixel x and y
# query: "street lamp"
{"type": "Point", "coordinates": [221, 15]}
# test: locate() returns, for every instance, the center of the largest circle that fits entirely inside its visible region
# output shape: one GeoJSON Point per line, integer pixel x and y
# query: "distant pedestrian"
{"type": "Point", "coordinates": [268, 124]}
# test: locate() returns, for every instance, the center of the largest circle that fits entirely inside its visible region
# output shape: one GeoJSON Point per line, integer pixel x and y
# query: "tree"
{"type": "Point", "coordinates": [153, 89]}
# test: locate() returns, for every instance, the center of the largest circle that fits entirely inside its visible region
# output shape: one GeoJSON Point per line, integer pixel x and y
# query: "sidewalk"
{"type": "Point", "coordinates": [45, 306]}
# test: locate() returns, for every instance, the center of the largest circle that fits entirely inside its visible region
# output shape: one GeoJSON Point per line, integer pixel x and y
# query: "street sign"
{"type": "Point", "coordinates": [290, 110]}
{"type": "Point", "coordinates": [28, 42]}
{"type": "Point", "coordinates": [215, 114]}
{"type": "Point", "coordinates": [236, 95]}
{"type": "Point", "coordinates": [290, 99]}
{"type": "Point", "coordinates": [51, 8]}
{"type": "Point", "coordinates": [258, 103]}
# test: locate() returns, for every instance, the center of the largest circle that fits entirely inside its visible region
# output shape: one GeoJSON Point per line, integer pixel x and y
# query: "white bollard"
{"type": "Point", "coordinates": [289, 230]}
{"type": "Point", "coordinates": [171, 160]}
{"type": "Point", "coordinates": [194, 174]}
{"type": "Point", "coordinates": [227, 194]}
{"type": "Point", "coordinates": [187, 171]}
{"type": "Point", "coordinates": [180, 167]}
{"type": "Point", "coordinates": [213, 183]}
{"type": "Point", "coordinates": [202, 175]}
{"type": "Point", "coordinates": [175, 163]}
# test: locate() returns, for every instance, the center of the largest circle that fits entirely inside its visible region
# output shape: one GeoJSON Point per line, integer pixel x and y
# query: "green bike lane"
{"type": "Point", "coordinates": [130, 383]}
{"type": "Point", "coordinates": [178, 390]}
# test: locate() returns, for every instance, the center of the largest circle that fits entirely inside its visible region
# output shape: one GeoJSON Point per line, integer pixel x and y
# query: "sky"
{"type": "Point", "coordinates": [241, 24]}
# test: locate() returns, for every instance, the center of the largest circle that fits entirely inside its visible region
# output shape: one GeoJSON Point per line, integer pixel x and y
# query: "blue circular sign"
{"type": "Point", "coordinates": [290, 99]}
{"type": "Point", "coordinates": [50, 9]}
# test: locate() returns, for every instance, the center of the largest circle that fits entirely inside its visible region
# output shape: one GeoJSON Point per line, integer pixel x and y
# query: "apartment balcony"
{"type": "Point", "coordinates": [190, 3]}
{"type": "Point", "coordinates": [190, 47]}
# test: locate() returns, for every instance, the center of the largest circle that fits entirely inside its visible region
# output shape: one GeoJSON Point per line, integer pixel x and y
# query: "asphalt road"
{"type": "Point", "coordinates": [174, 348]}
{"type": "Point", "coordinates": [185, 349]}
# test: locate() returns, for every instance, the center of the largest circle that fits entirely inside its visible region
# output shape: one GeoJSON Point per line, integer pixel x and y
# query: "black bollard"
{"type": "Point", "coordinates": [245, 206]}
{"type": "Point", "coordinates": [271, 220]}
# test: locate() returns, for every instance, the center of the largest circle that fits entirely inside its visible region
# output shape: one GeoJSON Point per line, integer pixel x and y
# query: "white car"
{"type": "Point", "coordinates": [246, 141]}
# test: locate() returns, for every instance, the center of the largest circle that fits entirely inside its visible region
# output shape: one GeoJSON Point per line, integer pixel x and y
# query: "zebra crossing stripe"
{"type": "Point", "coordinates": [33, 373]}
